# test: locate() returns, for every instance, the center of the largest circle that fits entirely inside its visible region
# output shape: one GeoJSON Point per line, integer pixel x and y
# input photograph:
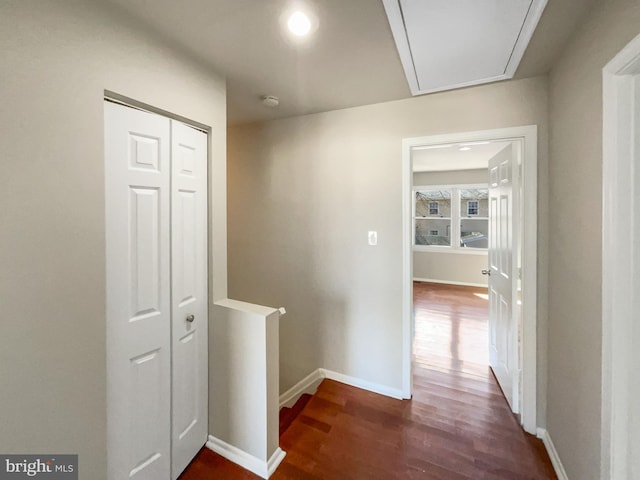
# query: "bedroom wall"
{"type": "Point", "coordinates": [451, 177]}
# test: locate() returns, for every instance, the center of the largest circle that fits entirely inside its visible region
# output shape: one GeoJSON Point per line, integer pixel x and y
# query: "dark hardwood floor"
{"type": "Point", "coordinates": [457, 426]}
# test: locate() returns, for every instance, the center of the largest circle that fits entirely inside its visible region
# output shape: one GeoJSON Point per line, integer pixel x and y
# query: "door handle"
{"type": "Point", "coordinates": [190, 318]}
{"type": "Point", "coordinates": [486, 272]}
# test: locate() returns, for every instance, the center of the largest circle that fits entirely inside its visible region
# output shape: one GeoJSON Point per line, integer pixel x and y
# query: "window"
{"type": "Point", "coordinates": [474, 229]}
{"type": "Point", "coordinates": [432, 216]}
{"type": "Point", "coordinates": [451, 217]}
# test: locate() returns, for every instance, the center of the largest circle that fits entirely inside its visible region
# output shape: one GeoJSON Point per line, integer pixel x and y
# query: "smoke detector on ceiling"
{"type": "Point", "coordinates": [270, 101]}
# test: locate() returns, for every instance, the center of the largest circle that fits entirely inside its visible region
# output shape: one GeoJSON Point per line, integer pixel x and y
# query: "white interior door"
{"type": "Point", "coordinates": [503, 267]}
{"type": "Point", "coordinates": [189, 293]}
{"type": "Point", "coordinates": [137, 196]}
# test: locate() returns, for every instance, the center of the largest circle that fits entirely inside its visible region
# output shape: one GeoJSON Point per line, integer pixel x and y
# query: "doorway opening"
{"type": "Point", "coordinates": [450, 252]}
{"type": "Point", "coordinates": [480, 232]}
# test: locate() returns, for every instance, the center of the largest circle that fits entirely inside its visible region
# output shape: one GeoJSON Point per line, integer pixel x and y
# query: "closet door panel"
{"type": "Point", "coordinates": [137, 209]}
{"type": "Point", "coordinates": [189, 293]}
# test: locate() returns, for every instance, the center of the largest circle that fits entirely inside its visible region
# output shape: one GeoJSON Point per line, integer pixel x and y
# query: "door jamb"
{"type": "Point", "coordinates": [528, 238]}
{"type": "Point", "coordinates": [619, 211]}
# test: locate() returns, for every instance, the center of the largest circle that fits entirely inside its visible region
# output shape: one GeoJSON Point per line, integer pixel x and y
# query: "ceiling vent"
{"type": "Point", "coordinates": [445, 44]}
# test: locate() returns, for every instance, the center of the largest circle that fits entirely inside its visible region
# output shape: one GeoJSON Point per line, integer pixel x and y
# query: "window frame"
{"type": "Point", "coordinates": [455, 218]}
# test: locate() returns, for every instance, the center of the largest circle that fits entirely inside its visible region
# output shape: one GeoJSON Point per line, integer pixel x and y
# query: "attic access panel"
{"type": "Point", "coordinates": [447, 44]}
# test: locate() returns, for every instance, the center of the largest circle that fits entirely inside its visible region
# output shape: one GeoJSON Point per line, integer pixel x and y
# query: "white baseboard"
{"type": "Point", "coordinates": [364, 384]}
{"type": "Point", "coordinates": [308, 384]}
{"type": "Point", "coordinates": [244, 459]}
{"type": "Point", "coordinates": [543, 434]}
{"type": "Point", "coordinates": [275, 460]}
{"type": "Point", "coordinates": [450, 282]}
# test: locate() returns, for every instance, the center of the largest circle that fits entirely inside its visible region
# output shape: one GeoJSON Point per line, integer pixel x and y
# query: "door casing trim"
{"type": "Point", "coordinates": [621, 86]}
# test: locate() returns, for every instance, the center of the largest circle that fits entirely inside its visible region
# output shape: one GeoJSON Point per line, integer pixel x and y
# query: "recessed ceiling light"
{"type": "Point", "coordinates": [464, 149]}
{"type": "Point", "coordinates": [299, 24]}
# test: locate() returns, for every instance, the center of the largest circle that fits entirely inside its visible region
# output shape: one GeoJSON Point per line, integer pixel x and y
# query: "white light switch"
{"type": "Point", "coordinates": [373, 238]}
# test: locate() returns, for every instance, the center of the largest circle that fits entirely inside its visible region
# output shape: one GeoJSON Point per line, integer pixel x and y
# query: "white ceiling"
{"type": "Point", "coordinates": [452, 158]}
{"type": "Point", "coordinates": [350, 60]}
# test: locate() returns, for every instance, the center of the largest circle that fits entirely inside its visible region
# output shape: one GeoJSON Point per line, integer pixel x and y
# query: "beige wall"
{"type": "Point", "coordinates": [453, 177]}
{"type": "Point", "coordinates": [56, 59]}
{"type": "Point", "coordinates": [575, 223]}
{"type": "Point", "coordinates": [304, 191]}
{"type": "Point", "coordinates": [447, 266]}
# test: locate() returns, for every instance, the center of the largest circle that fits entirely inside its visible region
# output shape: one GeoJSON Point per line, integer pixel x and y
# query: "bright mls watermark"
{"type": "Point", "coordinates": [51, 467]}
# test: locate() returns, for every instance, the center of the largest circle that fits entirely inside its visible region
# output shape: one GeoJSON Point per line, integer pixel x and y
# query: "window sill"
{"type": "Point", "coordinates": [444, 249]}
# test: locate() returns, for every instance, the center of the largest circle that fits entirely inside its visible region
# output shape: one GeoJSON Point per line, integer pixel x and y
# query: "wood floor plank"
{"type": "Point", "coordinates": [457, 426]}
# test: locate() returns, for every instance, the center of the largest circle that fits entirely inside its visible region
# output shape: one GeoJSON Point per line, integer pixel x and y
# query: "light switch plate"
{"type": "Point", "coordinates": [373, 238]}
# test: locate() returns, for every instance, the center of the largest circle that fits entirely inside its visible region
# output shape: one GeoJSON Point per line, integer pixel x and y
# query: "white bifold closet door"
{"type": "Point", "coordinates": [156, 249]}
{"type": "Point", "coordinates": [189, 294]}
